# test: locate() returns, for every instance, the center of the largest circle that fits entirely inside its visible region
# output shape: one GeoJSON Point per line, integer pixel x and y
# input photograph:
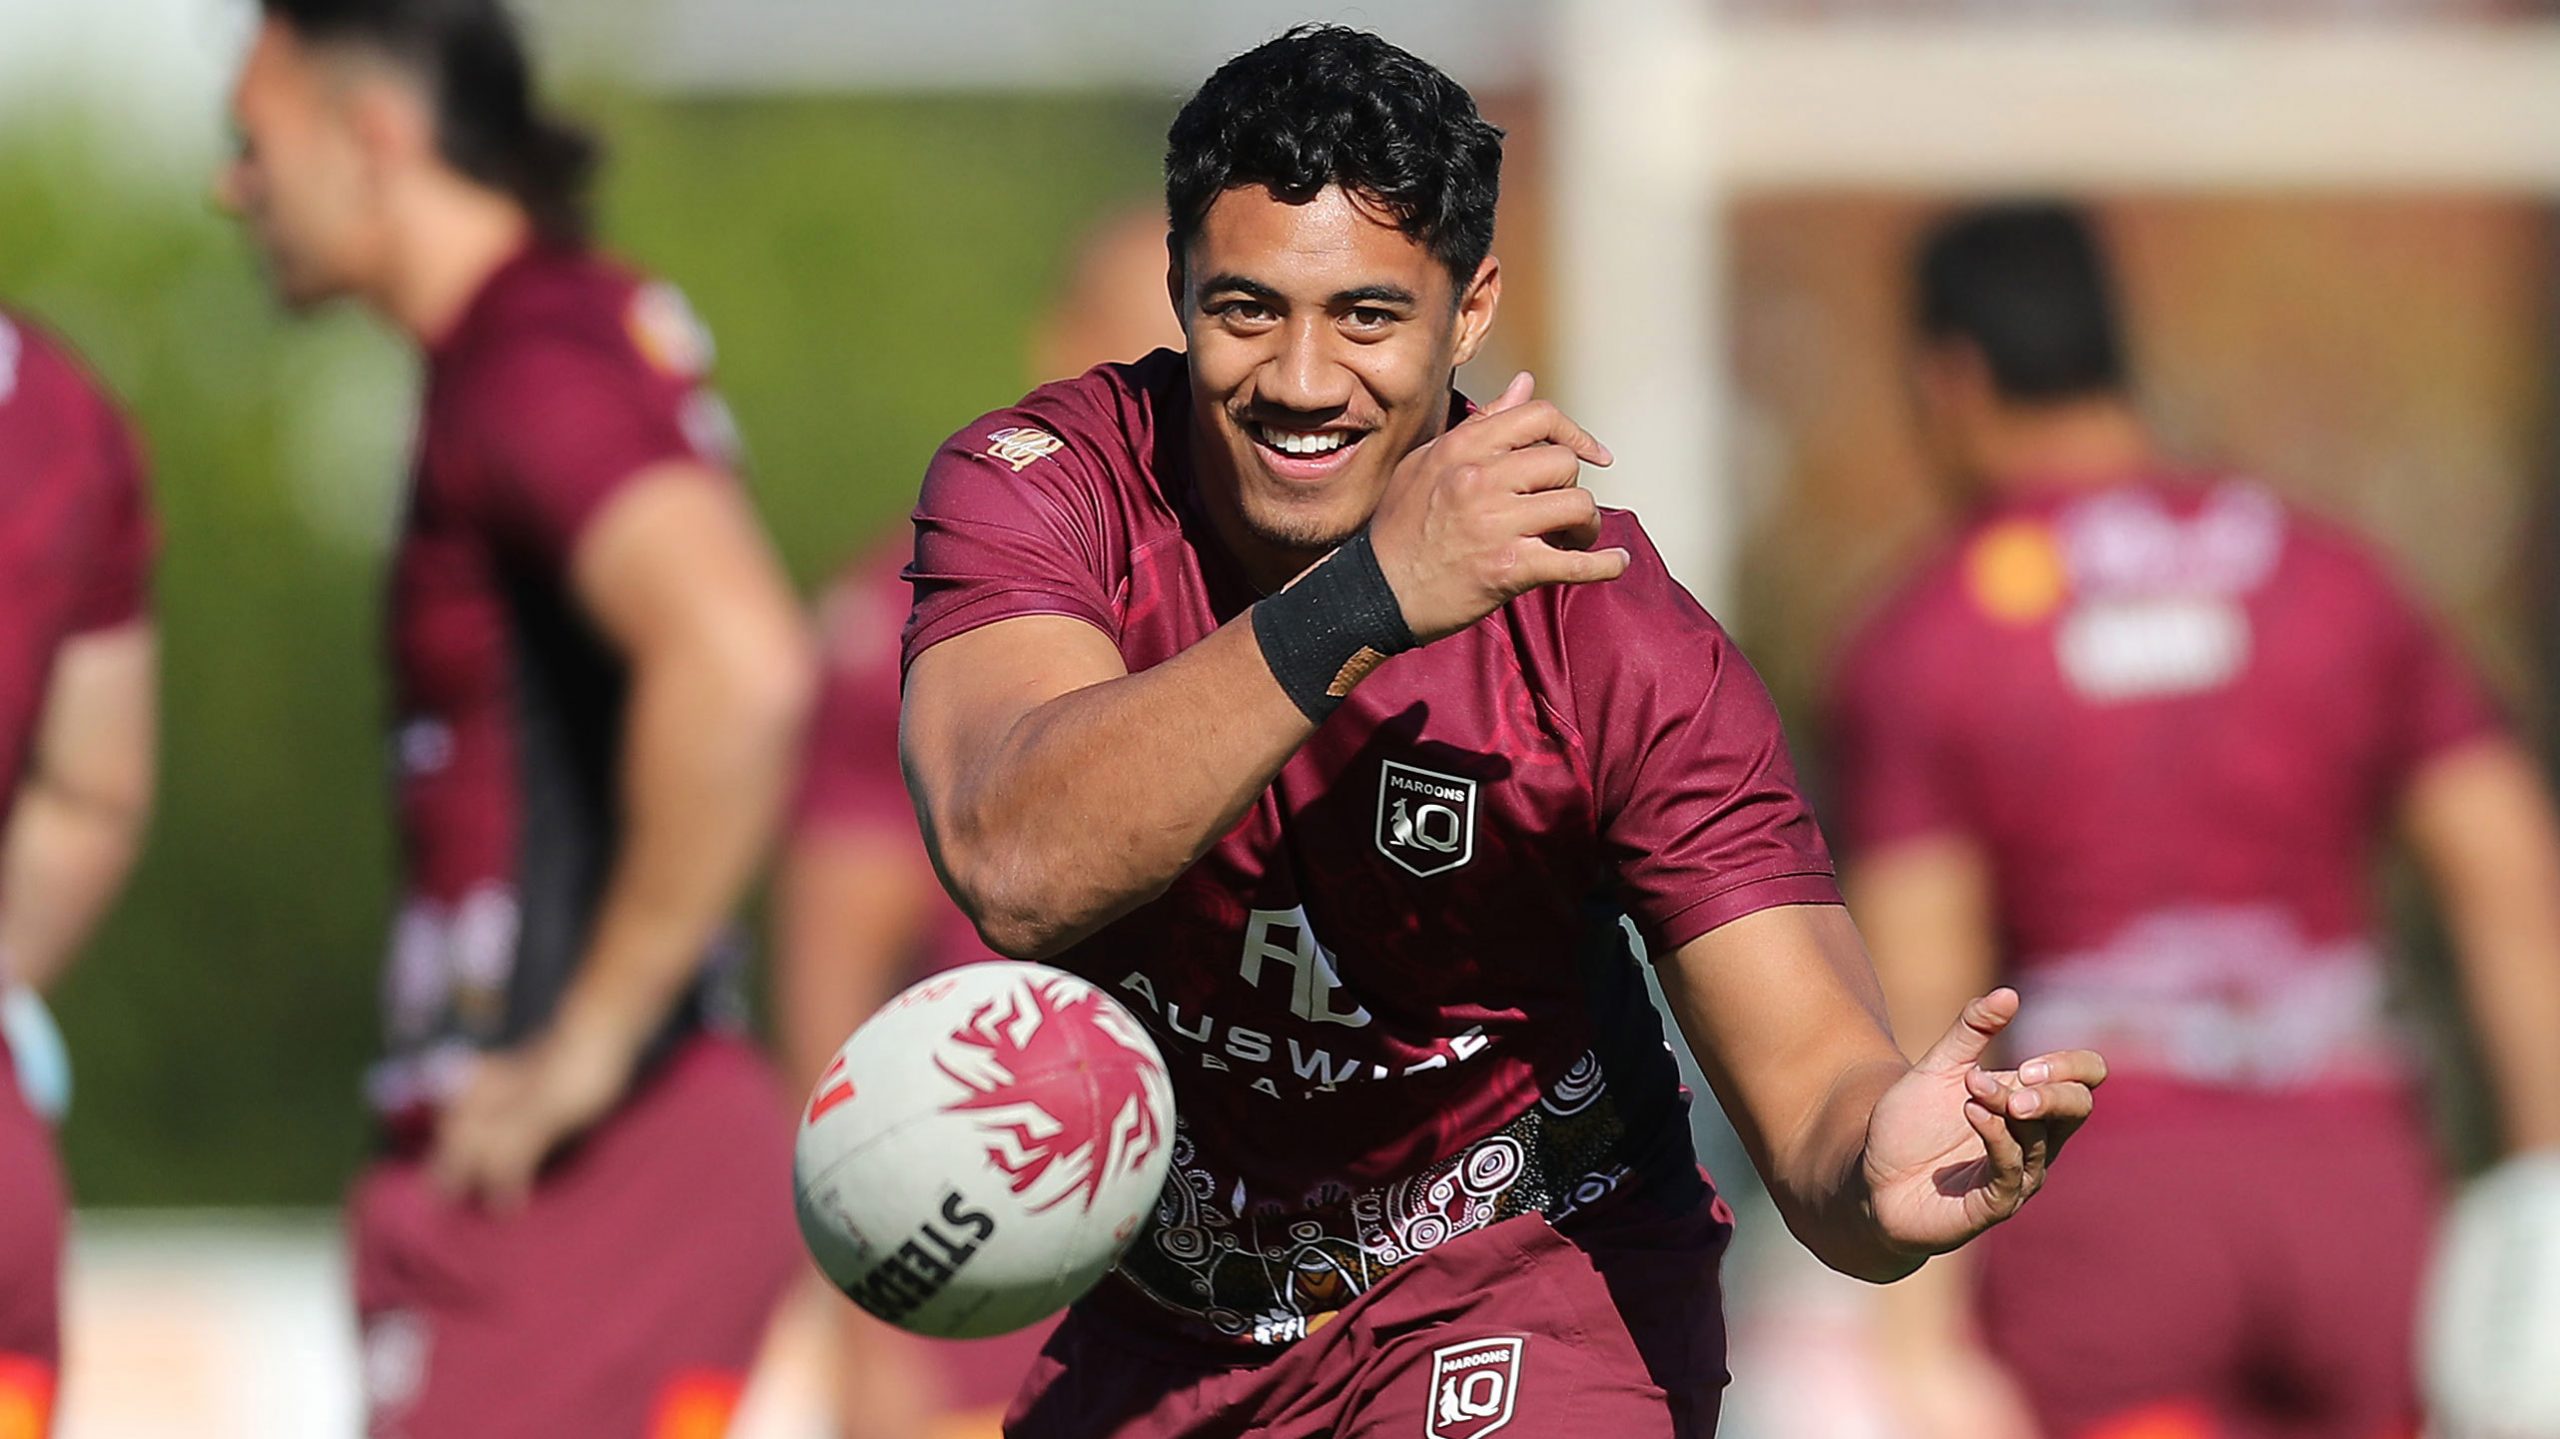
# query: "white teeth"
{"type": "Point", "coordinates": [1295, 442]}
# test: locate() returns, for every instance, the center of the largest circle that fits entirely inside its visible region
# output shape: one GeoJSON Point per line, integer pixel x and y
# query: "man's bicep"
{"type": "Point", "coordinates": [98, 737]}
{"type": "Point", "coordinates": [2477, 812]}
{"type": "Point", "coordinates": [966, 693]}
{"type": "Point", "coordinates": [677, 555]}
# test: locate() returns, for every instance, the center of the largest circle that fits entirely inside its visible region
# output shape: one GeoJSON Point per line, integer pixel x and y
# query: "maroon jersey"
{"type": "Point", "coordinates": [2176, 716]}
{"type": "Point", "coordinates": [75, 558]}
{"type": "Point", "coordinates": [565, 379]}
{"type": "Point", "coordinates": [850, 781]}
{"type": "Point", "coordinates": [1396, 998]}
{"type": "Point", "coordinates": [75, 526]}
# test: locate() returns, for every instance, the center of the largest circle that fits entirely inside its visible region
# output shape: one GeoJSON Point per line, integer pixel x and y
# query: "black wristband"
{"type": "Point", "coordinates": [1323, 634]}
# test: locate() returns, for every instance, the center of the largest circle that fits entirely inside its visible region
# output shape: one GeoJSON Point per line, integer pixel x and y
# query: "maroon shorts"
{"type": "Point", "coordinates": [627, 1300]}
{"type": "Point", "coordinates": [32, 1200]}
{"type": "Point", "coordinates": [1618, 1330]}
{"type": "Point", "coordinates": [2209, 1264]}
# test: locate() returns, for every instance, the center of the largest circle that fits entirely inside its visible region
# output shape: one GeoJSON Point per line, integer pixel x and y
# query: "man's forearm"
{"type": "Point", "coordinates": [2505, 919]}
{"type": "Point", "coordinates": [65, 859]}
{"type": "Point", "coordinates": [2483, 825]}
{"type": "Point", "coordinates": [85, 803]}
{"type": "Point", "coordinates": [707, 753]}
{"type": "Point", "coordinates": [1096, 800]}
{"type": "Point", "coordinates": [2514, 984]}
{"type": "Point", "coordinates": [1779, 1008]}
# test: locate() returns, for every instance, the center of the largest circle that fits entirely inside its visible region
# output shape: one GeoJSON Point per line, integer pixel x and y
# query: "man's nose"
{"type": "Point", "coordinates": [1306, 375]}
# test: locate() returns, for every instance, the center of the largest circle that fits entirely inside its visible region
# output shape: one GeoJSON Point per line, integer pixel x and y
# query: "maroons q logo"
{"type": "Point", "coordinates": [1473, 1386]}
{"type": "Point", "coordinates": [1426, 820]}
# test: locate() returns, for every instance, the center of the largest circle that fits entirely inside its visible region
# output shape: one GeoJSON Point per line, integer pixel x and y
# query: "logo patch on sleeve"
{"type": "Point", "coordinates": [1020, 445]}
{"type": "Point", "coordinates": [1426, 820]}
{"type": "Point", "coordinates": [10, 349]}
{"type": "Point", "coordinates": [1472, 1387]}
{"type": "Point", "coordinates": [667, 333]}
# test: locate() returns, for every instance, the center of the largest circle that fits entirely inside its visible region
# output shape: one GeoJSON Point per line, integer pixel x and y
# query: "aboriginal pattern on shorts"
{"type": "Point", "coordinates": [1261, 1275]}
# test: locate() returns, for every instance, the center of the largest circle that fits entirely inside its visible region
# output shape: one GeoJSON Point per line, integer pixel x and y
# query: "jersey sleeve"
{"type": "Point", "coordinates": [1894, 766]}
{"type": "Point", "coordinates": [564, 423]}
{"type": "Point", "coordinates": [1698, 805]}
{"type": "Point", "coordinates": [850, 779]}
{"type": "Point", "coordinates": [1009, 523]}
{"type": "Point", "coordinates": [2435, 699]}
{"type": "Point", "coordinates": [116, 578]}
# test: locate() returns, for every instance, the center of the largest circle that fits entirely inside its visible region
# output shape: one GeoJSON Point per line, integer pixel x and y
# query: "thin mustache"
{"type": "Point", "coordinates": [1356, 428]}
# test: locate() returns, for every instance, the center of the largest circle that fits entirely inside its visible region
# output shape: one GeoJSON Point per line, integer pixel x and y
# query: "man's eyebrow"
{"type": "Point", "coordinates": [1375, 295]}
{"type": "Point", "coordinates": [1378, 294]}
{"type": "Point", "coordinates": [1238, 285]}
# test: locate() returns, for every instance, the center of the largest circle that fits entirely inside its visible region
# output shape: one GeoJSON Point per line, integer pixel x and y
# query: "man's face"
{"type": "Point", "coordinates": [1323, 340]}
{"type": "Point", "coordinates": [302, 182]}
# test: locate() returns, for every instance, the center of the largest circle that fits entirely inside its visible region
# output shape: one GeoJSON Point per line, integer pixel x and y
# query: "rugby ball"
{"type": "Point", "coordinates": [2491, 1331]}
{"type": "Point", "coordinates": [980, 1152]}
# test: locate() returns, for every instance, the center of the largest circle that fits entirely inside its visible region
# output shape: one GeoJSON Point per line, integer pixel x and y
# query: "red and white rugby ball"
{"type": "Point", "coordinates": [981, 1151]}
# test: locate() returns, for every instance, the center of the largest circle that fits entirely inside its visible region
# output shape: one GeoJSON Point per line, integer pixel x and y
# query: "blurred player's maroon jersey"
{"type": "Point", "coordinates": [849, 774]}
{"type": "Point", "coordinates": [2176, 714]}
{"type": "Point", "coordinates": [1396, 999]}
{"type": "Point", "coordinates": [565, 379]}
{"type": "Point", "coordinates": [75, 557]}
{"type": "Point", "coordinates": [75, 531]}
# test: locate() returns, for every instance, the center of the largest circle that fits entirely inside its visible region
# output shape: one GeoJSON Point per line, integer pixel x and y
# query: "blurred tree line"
{"type": "Point", "coordinates": [870, 268]}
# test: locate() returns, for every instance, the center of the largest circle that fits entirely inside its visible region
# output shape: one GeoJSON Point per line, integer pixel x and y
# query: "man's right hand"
{"type": "Point", "coordinates": [1491, 510]}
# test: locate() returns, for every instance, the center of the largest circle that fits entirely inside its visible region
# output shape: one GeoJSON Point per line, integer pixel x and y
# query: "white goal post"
{"type": "Point", "coordinates": [1662, 115]}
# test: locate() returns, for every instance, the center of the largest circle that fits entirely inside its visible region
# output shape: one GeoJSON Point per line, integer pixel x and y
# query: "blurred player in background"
{"type": "Point", "coordinates": [2133, 742]}
{"type": "Point", "coordinates": [599, 676]}
{"type": "Point", "coordinates": [1331, 726]}
{"type": "Point", "coordinates": [859, 911]}
{"type": "Point", "coordinates": [79, 708]}
{"type": "Point", "coordinates": [1113, 305]}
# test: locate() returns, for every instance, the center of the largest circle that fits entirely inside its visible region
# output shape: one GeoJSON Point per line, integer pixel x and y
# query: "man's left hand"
{"type": "Point", "coordinates": [516, 1106]}
{"type": "Point", "coordinates": [1954, 1148]}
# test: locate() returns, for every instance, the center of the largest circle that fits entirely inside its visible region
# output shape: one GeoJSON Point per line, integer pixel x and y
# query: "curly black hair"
{"type": "Point", "coordinates": [471, 58]}
{"type": "Point", "coordinates": [1326, 105]}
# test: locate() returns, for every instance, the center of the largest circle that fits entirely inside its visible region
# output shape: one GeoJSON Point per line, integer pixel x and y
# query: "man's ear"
{"type": "Point", "coordinates": [393, 121]}
{"type": "Point", "coordinates": [1476, 307]}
